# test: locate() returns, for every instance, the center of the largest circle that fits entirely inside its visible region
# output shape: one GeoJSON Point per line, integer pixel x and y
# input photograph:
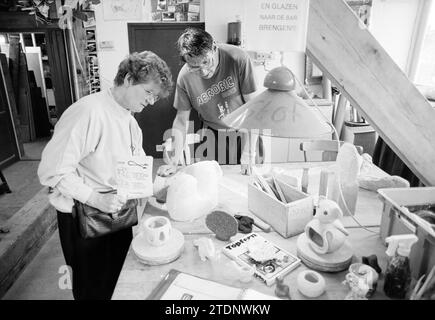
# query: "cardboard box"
{"type": "Point", "coordinates": [397, 219]}
{"type": "Point", "coordinates": [287, 219]}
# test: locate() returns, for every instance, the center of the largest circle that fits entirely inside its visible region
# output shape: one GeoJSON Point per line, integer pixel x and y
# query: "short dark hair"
{"type": "Point", "coordinates": [144, 67]}
{"type": "Point", "coordinates": [194, 42]}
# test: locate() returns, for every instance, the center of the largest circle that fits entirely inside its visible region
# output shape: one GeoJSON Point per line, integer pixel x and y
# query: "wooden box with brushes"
{"type": "Point", "coordinates": [284, 207]}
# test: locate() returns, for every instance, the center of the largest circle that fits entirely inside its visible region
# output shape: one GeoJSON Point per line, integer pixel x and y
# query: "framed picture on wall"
{"type": "Point", "coordinates": [180, 16]}
{"type": "Point", "coordinates": [192, 16]}
{"type": "Point", "coordinates": [156, 16]}
{"type": "Point", "coordinates": [161, 5]}
{"type": "Point", "coordinates": [168, 16]}
{"type": "Point", "coordinates": [91, 20]}
{"type": "Point", "coordinates": [122, 9]}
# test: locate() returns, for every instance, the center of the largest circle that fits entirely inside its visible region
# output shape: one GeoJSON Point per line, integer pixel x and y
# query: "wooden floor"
{"type": "Point", "coordinates": [22, 180]}
{"type": "Point", "coordinates": [44, 277]}
{"type": "Point", "coordinates": [33, 150]}
{"type": "Point", "coordinates": [24, 184]}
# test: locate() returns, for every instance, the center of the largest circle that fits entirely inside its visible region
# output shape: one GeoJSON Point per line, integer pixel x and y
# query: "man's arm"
{"type": "Point", "coordinates": [249, 142]}
{"type": "Point", "coordinates": [179, 133]}
{"type": "Point", "coordinates": [250, 96]}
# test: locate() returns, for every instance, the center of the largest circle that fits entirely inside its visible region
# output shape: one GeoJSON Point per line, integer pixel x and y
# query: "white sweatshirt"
{"type": "Point", "coordinates": [81, 156]}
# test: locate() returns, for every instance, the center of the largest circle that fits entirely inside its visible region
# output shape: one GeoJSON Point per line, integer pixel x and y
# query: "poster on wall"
{"type": "Point", "coordinates": [122, 9]}
{"type": "Point", "coordinates": [279, 25]}
{"type": "Point", "coordinates": [175, 10]}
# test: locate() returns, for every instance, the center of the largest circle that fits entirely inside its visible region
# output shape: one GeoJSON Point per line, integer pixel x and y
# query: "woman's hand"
{"type": "Point", "coordinates": [106, 202]}
{"type": "Point", "coordinates": [166, 170]}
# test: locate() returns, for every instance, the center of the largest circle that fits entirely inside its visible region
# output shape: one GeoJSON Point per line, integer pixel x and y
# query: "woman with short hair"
{"type": "Point", "coordinates": [79, 164]}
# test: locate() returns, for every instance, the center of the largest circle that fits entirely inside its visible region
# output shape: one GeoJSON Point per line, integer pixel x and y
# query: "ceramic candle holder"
{"type": "Point", "coordinates": [157, 230]}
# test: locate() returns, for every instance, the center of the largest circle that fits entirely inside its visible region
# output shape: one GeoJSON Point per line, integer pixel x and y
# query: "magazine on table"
{"type": "Point", "coordinates": [269, 260]}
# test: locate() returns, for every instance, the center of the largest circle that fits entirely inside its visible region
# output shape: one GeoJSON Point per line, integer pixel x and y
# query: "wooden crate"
{"type": "Point", "coordinates": [397, 219]}
{"type": "Point", "coordinates": [287, 219]}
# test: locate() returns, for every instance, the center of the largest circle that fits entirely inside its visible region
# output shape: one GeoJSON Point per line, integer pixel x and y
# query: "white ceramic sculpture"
{"type": "Point", "coordinates": [369, 178]}
{"type": "Point", "coordinates": [343, 187]}
{"type": "Point", "coordinates": [206, 249]}
{"type": "Point", "coordinates": [323, 246]}
{"type": "Point", "coordinates": [325, 232]}
{"type": "Point", "coordinates": [193, 191]}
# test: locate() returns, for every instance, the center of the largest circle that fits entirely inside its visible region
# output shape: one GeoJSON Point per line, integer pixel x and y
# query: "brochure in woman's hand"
{"type": "Point", "coordinates": [134, 177]}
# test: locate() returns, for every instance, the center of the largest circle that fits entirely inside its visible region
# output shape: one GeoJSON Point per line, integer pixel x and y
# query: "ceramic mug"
{"type": "Point", "coordinates": [157, 230]}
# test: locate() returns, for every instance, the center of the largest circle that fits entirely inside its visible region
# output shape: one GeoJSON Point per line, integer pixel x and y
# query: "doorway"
{"type": "Point", "coordinates": [159, 38]}
{"type": "Point", "coordinates": [49, 43]}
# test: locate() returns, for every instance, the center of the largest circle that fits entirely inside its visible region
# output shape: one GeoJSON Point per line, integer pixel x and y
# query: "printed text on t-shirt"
{"type": "Point", "coordinates": [215, 89]}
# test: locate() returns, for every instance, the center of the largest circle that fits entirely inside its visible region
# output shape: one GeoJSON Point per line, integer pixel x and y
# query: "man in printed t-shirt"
{"type": "Point", "coordinates": [215, 80]}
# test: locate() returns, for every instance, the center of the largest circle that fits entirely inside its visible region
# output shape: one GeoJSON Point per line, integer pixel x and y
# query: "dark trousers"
{"type": "Point", "coordinates": [95, 263]}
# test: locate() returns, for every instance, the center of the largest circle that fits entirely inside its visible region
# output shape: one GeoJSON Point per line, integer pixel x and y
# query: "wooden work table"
{"type": "Point", "coordinates": [137, 280]}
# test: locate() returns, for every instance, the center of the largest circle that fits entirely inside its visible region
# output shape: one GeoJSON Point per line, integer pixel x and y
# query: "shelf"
{"type": "Point", "coordinates": [93, 80]}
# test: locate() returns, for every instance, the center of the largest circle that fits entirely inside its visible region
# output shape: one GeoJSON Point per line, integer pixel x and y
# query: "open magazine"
{"type": "Point", "coordinates": [269, 260]}
{"type": "Point", "coordinates": [182, 286]}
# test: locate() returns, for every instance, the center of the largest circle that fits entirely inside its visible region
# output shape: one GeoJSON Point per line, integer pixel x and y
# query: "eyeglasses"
{"type": "Point", "coordinates": [154, 96]}
{"type": "Point", "coordinates": [205, 63]}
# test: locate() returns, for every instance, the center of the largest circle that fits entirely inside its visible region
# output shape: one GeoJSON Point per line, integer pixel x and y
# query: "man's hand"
{"type": "Point", "coordinates": [168, 152]}
{"type": "Point", "coordinates": [247, 161]}
{"type": "Point", "coordinates": [107, 202]}
{"type": "Point", "coordinates": [246, 169]}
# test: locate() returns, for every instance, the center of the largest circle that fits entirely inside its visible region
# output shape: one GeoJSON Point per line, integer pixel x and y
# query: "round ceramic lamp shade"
{"type": "Point", "coordinates": [280, 78]}
{"type": "Point", "coordinates": [278, 111]}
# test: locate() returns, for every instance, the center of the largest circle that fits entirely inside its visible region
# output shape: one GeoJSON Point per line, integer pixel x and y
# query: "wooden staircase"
{"type": "Point", "coordinates": [349, 55]}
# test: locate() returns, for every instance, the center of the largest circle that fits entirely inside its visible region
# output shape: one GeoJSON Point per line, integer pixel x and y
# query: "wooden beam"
{"type": "Point", "coordinates": [359, 66]}
{"type": "Point", "coordinates": [23, 22]}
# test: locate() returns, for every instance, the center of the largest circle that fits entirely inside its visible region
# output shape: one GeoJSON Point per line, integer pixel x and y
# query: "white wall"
{"type": "Point", "coordinates": [116, 31]}
{"type": "Point", "coordinates": [392, 23]}
{"type": "Point", "coordinates": [217, 16]}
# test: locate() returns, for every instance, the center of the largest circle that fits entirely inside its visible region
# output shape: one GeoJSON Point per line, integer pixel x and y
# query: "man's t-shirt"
{"type": "Point", "coordinates": [220, 95]}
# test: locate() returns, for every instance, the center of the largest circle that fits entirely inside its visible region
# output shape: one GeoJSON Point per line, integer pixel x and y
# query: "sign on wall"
{"type": "Point", "coordinates": [279, 25]}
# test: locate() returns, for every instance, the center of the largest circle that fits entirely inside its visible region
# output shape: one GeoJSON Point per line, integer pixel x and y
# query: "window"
{"type": "Point", "coordinates": [425, 74]}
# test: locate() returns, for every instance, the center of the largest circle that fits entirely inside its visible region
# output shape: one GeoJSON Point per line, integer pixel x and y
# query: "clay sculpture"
{"type": "Point", "coordinates": [193, 191]}
{"type": "Point", "coordinates": [325, 231]}
{"type": "Point", "coordinates": [222, 224]}
{"type": "Point", "coordinates": [323, 245]}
